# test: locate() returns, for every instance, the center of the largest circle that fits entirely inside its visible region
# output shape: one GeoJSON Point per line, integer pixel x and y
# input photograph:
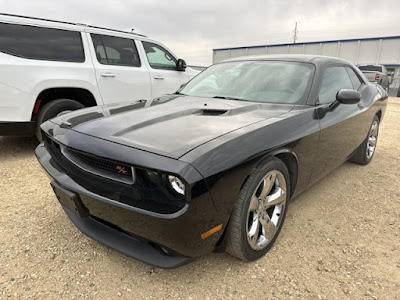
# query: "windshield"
{"type": "Point", "coordinates": [370, 68]}
{"type": "Point", "coordinates": [259, 81]}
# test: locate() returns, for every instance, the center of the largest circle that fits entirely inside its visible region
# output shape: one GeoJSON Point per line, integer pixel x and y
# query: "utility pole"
{"type": "Point", "coordinates": [295, 34]}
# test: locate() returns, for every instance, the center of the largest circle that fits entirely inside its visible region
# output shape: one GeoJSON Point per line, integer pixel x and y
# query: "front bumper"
{"type": "Point", "coordinates": [23, 129]}
{"type": "Point", "coordinates": [123, 242]}
{"type": "Point", "coordinates": [163, 240]}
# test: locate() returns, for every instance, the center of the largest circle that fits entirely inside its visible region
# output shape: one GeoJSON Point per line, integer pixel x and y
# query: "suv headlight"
{"type": "Point", "coordinates": [176, 184]}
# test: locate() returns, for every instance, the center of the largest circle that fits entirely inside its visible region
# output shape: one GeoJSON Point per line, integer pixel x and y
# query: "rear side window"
{"type": "Point", "coordinates": [335, 79]}
{"type": "Point", "coordinates": [117, 51]}
{"type": "Point", "coordinates": [354, 79]}
{"type": "Point", "coordinates": [41, 43]}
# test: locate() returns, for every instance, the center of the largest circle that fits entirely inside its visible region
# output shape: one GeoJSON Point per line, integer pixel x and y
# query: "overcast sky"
{"type": "Point", "coordinates": [193, 28]}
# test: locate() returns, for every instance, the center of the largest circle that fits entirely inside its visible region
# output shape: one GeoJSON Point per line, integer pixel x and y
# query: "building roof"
{"type": "Point", "coordinates": [310, 43]}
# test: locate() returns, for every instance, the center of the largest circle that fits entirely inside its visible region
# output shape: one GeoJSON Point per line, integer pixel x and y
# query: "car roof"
{"type": "Point", "coordinates": [306, 58]}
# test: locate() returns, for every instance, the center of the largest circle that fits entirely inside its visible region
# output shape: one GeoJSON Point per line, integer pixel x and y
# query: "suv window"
{"type": "Point", "coordinates": [158, 57]}
{"type": "Point", "coordinates": [355, 80]}
{"type": "Point", "coordinates": [117, 51]}
{"type": "Point", "coordinates": [41, 43]}
{"type": "Point", "coordinates": [335, 79]}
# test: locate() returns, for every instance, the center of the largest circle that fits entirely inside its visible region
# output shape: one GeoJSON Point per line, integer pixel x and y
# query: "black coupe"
{"type": "Point", "coordinates": [213, 166]}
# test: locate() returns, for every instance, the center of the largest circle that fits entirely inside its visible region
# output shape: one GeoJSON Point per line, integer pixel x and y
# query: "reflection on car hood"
{"type": "Point", "coordinates": [171, 125]}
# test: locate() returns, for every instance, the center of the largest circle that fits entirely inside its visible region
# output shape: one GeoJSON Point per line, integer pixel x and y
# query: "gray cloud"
{"type": "Point", "coordinates": [193, 28]}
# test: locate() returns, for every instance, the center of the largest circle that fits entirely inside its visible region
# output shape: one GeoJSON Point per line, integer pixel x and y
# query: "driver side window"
{"type": "Point", "coordinates": [158, 57]}
{"type": "Point", "coordinates": [335, 79]}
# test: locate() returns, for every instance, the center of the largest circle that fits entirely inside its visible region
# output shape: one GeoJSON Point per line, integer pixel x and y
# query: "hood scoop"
{"type": "Point", "coordinates": [212, 112]}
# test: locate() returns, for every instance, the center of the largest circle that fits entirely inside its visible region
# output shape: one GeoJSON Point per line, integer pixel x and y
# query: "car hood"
{"type": "Point", "coordinates": [171, 125]}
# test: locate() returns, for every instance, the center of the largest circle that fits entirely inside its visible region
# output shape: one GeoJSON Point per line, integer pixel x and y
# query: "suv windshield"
{"type": "Point", "coordinates": [259, 81]}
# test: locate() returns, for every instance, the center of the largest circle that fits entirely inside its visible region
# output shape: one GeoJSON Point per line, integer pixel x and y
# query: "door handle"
{"type": "Point", "coordinates": [107, 74]}
{"type": "Point", "coordinates": [159, 77]}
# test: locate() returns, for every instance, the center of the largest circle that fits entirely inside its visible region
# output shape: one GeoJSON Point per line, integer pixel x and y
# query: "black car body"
{"type": "Point", "coordinates": [212, 145]}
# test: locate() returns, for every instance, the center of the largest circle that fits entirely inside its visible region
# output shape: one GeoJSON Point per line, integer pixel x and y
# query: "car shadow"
{"type": "Point", "coordinates": [17, 146]}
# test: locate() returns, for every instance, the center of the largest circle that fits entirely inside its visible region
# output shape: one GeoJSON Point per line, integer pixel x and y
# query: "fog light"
{"type": "Point", "coordinates": [177, 184]}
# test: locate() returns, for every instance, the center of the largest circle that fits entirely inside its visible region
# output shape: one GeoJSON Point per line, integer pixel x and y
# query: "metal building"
{"type": "Point", "coordinates": [379, 50]}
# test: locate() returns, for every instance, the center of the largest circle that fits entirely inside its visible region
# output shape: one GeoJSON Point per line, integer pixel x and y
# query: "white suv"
{"type": "Point", "coordinates": [48, 67]}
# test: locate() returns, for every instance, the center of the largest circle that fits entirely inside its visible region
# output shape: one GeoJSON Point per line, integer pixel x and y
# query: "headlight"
{"type": "Point", "coordinates": [177, 184]}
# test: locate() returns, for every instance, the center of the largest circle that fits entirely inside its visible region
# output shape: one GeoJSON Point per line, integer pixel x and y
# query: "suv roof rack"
{"type": "Point", "coordinates": [70, 23]}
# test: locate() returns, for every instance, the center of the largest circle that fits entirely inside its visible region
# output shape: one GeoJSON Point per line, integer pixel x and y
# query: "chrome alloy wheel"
{"type": "Point", "coordinates": [266, 208]}
{"type": "Point", "coordinates": [372, 138]}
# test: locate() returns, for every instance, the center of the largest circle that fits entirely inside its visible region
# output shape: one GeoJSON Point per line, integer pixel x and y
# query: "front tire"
{"type": "Point", "coordinates": [53, 109]}
{"type": "Point", "coordinates": [365, 152]}
{"type": "Point", "coordinates": [259, 212]}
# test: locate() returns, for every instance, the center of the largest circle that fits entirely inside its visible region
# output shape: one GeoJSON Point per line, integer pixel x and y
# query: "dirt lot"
{"type": "Point", "coordinates": [341, 240]}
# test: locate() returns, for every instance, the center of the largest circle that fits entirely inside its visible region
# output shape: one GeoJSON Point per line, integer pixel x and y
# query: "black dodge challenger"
{"type": "Point", "coordinates": [213, 166]}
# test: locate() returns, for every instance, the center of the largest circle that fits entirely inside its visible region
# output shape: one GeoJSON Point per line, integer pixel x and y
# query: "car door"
{"type": "Point", "coordinates": [165, 79]}
{"type": "Point", "coordinates": [342, 129]}
{"type": "Point", "coordinates": [120, 73]}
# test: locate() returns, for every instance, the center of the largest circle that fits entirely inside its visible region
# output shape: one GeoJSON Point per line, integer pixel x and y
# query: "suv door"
{"type": "Point", "coordinates": [165, 79]}
{"type": "Point", "coordinates": [120, 74]}
{"type": "Point", "coordinates": [342, 130]}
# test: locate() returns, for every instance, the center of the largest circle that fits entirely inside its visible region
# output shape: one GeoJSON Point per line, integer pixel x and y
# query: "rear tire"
{"type": "Point", "coordinates": [51, 110]}
{"type": "Point", "coordinates": [259, 212]}
{"type": "Point", "coordinates": [365, 152]}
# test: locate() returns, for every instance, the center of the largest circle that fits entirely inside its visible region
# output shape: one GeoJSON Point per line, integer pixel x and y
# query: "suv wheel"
{"type": "Point", "coordinates": [52, 109]}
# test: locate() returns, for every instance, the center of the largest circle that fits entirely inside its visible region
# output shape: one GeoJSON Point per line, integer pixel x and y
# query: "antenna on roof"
{"type": "Point", "coordinates": [132, 29]}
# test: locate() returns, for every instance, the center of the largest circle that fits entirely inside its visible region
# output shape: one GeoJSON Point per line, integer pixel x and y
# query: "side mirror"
{"type": "Point", "coordinates": [180, 65]}
{"type": "Point", "coordinates": [345, 96]}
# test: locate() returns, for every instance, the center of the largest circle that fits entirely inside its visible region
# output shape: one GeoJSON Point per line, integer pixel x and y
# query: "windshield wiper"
{"type": "Point", "coordinates": [228, 98]}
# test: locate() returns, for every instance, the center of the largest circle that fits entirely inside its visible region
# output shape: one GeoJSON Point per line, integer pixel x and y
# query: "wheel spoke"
{"type": "Point", "coordinates": [253, 203]}
{"type": "Point", "coordinates": [268, 183]}
{"type": "Point", "coordinates": [371, 150]}
{"type": "Point", "coordinates": [276, 198]}
{"type": "Point", "coordinates": [269, 228]}
{"type": "Point", "coordinates": [255, 227]}
{"type": "Point", "coordinates": [372, 141]}
{"type": "Point", "coordinates": [373, 129]}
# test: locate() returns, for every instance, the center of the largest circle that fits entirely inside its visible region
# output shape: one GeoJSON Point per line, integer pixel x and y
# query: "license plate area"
{"type": "Point", "coordinates": [69, 199]}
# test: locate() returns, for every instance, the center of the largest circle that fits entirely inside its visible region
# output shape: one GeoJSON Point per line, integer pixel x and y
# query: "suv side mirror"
{"type": "Point", "coordinates": [180, 65]}
{"type": "Point", "coordinates": [345, 96]}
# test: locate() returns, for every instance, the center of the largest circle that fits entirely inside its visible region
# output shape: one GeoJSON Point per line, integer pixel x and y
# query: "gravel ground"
{"type": "Point", "coordinates": [341, 240]}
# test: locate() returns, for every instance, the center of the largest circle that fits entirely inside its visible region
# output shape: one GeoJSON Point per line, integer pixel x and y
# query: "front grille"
{"type": "Point", "coordinates": [100, 166]}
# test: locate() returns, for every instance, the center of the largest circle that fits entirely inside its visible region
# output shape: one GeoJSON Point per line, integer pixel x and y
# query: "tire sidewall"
{"type": "Point", "coordinates": [52, 109]}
